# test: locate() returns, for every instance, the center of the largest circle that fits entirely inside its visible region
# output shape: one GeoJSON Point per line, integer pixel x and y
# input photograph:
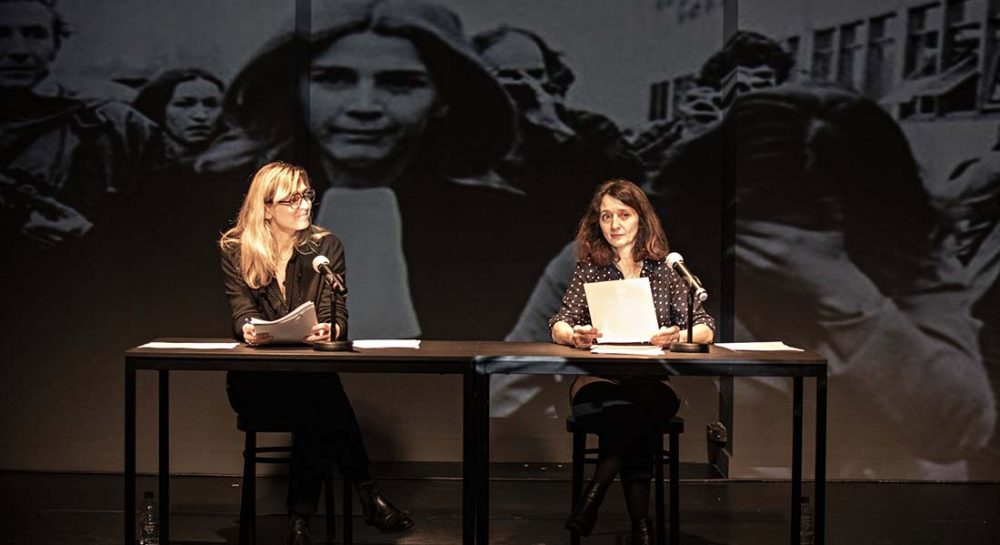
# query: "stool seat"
{"type": "Point", "coordinates": [251, 425]}
{"type": "Point", "coordinates": [671, 428]}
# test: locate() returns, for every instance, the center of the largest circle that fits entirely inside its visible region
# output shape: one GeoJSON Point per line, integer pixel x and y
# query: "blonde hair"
{"type": "Point", "coordinates": [258, 251]}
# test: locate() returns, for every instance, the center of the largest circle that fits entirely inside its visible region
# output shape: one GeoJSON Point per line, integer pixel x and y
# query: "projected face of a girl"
{"type": "Point", "coordinates": [371, 98]}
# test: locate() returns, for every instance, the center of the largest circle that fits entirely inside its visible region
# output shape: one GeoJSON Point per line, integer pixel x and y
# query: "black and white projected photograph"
{"type": "Point", "coordinates": [827, 174]}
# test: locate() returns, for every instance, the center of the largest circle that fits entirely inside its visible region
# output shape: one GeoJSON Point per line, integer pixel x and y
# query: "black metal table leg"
{"type": "Point", "coordinates": [483, 456]}
{"type": "Point", "coordinates": [164, 425]}
{"type": "Point", "coordinates": [675, 492]}
{"type": "Point", "coordinates": [796, 460]}
{"type": "Point", "coordinates": [470, 453]}
{"type": "Point", "coordinates": [819, 511]}
{"type": "Point", "coordinates": [129, 513]}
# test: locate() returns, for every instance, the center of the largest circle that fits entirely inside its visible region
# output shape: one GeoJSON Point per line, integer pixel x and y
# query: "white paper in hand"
{"type": "Point", "coordinates": [290, 328]}
{"type": "Point", "coordinates": [622, 310]}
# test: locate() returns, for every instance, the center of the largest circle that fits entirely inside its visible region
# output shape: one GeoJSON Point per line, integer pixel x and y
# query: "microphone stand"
{"type": "Point", "coordinates": [332, 345]}
{"type": "Point", "coordinates": [690, 346]}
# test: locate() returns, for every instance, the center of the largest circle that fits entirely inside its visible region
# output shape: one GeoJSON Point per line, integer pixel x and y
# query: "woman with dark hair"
{"type": "Point", "coordinates": [620, 237]}
{"type": "Point", "coordinates": [392, 111]}
{"type": "Point", "coordinates": [267, 269]}
{"type": "Point", "coordinates": [187, 104]}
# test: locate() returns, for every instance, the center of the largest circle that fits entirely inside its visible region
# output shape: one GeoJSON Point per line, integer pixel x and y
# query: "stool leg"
{"type": "Point", "coordinates": [331, 512]}
{"type": "Point", "coordinates": [675, 489]}
{"type": "Point", "coordinates": [348, 513]}
{"type": "Point", "coordinates": [661, 527]}
{"type": "Point", "coordinates": [579, 446]}
{"type": "Point", "coordinates": [248, 507]}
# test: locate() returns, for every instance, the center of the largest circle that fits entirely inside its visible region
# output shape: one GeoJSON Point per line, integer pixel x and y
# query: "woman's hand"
{"type": "Point", "coordinates": [251, 337]}
{"type": "Point", "coordinates": [578, 336]}
{"type": "Point", "coordinates": [321, 332]}
{"type": "Point", "coordinates": [585, 335]}
{"type": "Point", "coordinates": [667, 335]}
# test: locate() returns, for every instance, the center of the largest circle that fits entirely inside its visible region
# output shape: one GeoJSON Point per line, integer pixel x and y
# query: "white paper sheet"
{"type": "Point", "coordinates": [387, 343]}
{"type": "Point", "coordinates": [766, 346]}
{"type": "Point", "coordinates": [626, 350]}
{"type": "Point", "coordinates": [195, 346]}
{"type": "Point", "coordinates": [622, 310]}
{"type": "Point", "coordinates": [290, 328]}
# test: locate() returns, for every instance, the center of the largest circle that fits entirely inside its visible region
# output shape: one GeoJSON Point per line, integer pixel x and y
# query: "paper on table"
{"type": "Point", "coordinates": [622, 310]}
{"type": "Point", "coordinates": [196, 346]}
{"type": "Point", "coordinates": [626, 350]}
{"type": "Point", "coordinates": [387, 343]}
{"type": "Point", "coordinates": [767, 346]}
{"type": "Point", "coordinates": [290, 328]}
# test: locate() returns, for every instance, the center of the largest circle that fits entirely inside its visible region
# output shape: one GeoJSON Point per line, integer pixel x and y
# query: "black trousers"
{"type": "Point", "coordinates": [627, 414]}
{"type": "Point", "coordinates": [324, 428]}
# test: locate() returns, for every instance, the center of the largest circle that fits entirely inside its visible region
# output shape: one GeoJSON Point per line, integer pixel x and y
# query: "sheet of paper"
{"type": "Point", "coordinates": [290, 328]}
{"type": "Point", "coordinates": [622, 310]}
{"type": "Point", "coordinates": [387, 343]}
{"type": "Point", "coordinates": [766, 346]}
{"type": "Point", "coordinates": [195, 346]}
{"type": "Point", "coordinates": [626, 349]}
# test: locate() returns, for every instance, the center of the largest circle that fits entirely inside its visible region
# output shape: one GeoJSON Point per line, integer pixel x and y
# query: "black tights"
{"type": "Point", "coordinates": [626, 416]}
{"type": "Point", "coordinates": [325, 428]}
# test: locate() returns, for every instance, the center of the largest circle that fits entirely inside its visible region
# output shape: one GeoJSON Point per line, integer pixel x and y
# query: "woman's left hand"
{"type": "Point", "coordinates": [320, 332]}
{"type": "Point", "coordinates": [666, 335]}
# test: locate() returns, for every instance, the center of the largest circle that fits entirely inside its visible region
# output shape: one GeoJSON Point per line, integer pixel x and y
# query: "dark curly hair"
{"type": "Point", "coordinates": [650, 241]}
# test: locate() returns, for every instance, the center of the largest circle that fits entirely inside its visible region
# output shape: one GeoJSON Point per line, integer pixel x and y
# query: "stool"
{"type": "Point", "coordinates": [253, 455]}
{"type": "Point", "coordinates": [583, 455]}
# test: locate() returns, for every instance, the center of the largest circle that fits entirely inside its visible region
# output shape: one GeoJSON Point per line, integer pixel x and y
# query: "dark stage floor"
{"type": "Point", "coordinates": [528, 506]}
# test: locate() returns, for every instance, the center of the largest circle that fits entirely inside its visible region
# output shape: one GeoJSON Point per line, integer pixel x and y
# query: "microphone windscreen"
{"type": "Point", "coordinates": [319, 261]}
{"type": "Point", "coordinates": [673, 258]}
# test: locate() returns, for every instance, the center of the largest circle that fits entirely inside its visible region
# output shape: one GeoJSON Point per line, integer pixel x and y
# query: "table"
{"type": "Point", "coordinates": [433, 357]}
{"type": "Point", "coordinates": [550, 359]}
{"type": "Point", "coordinates": [476, 361]}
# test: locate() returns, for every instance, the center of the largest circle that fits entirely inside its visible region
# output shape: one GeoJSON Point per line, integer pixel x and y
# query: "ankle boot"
{"type": "Point", "coordinates": [298, 530]}
{"type": "Point", "coordinates": [642, 532]}
{"type": "Point", "coordinates": [584, 514]}
{"type": "Point", "coordinates": [378, 511]}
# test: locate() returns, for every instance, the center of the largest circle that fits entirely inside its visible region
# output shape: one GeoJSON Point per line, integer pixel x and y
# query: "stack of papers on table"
{"type": "Point", "coordinates": [768, 346]}
{"type": "Point", "coordinates": [627, 349]}
{"type": "Point", "coordinates": [387, 343]}
{"type": "Point", "coordinates": [293, 327]}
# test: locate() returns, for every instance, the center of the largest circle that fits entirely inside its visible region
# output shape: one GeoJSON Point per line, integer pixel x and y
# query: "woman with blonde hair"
{"type": "Point", "coordinates": [267, 268]}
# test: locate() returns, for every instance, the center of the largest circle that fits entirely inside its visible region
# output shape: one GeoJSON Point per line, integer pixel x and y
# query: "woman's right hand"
{"type": "Point", "coordinates": [585, 335]}
{"type": "Point", "coordinates": [251, 337]}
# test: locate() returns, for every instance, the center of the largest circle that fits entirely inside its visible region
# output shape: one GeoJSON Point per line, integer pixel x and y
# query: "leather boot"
{"type": "Point", "coordinates": [642, 532]}
{"type": "Point", "coordinates": [584, 515]}
{"type": "Point", "coordinates": [378, 511]}
{"type": "Point", "coordinates": [298, 530]}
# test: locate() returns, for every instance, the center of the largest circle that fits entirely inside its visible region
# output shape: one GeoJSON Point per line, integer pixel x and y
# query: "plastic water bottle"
{"type": "Point", "coordinates": [806, 522]}
{"type": "Point", "coordinates": [149, 528]}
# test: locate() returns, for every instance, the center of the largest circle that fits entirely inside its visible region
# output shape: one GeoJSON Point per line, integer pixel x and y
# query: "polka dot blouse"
{"type": "Point", "coordinates": [670, 294]}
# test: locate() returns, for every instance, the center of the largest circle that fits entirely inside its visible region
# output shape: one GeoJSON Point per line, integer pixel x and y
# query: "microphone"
{"type": "Point", "coordinates": [676, 262]}
{"type": "Point", "coordinates": [321, 264]}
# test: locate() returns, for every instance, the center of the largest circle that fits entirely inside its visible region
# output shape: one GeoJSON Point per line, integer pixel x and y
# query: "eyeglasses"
{"type": "Point", "coordinates": [295, 199]}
